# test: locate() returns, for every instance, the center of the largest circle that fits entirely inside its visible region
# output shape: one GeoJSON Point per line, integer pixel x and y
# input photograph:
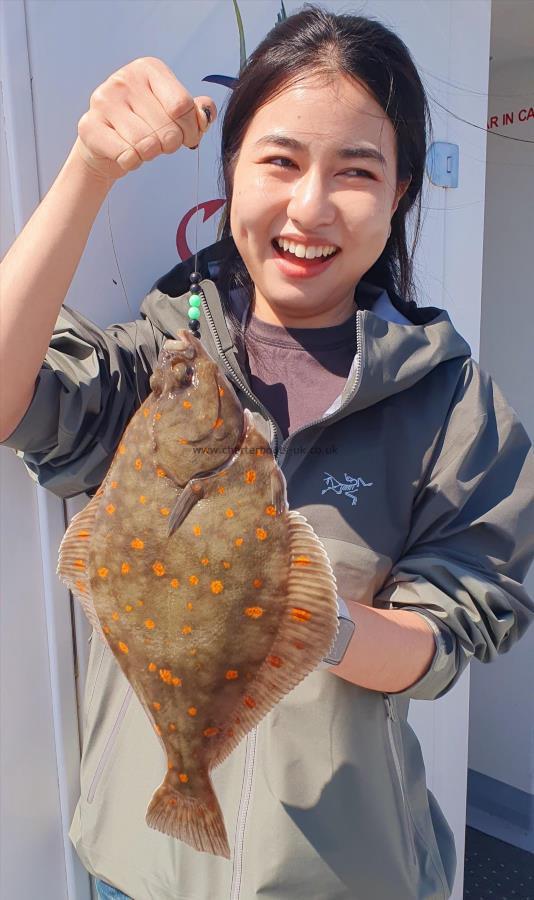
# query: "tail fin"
{"type": "Point", "coordinates": [196, 821]}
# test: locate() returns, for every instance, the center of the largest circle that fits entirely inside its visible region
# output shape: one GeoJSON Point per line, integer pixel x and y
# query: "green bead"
{"type": "Point", "coordinates": [195, 300]}
{"type": "Point", "coordinates": [193, 312]}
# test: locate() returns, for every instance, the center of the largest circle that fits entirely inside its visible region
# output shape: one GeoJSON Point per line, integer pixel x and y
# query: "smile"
{"type": "Point", "coordinates": [301, 251]}
{"type": "Point", "coordinates": [297, 261]}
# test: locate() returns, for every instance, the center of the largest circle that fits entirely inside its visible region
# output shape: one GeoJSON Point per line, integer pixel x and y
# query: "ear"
{"type": "Point", "coordinates": [402, 187]}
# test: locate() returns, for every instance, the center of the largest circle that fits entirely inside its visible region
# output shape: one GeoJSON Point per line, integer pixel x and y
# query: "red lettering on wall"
{"type": "Point", "coordinates": [526, 114]}
{"type": "Point", "coordinates": [508, 119]}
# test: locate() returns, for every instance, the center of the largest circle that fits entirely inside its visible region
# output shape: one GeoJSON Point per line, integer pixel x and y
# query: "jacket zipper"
{"type": "Point", "coordinates": [235, 377]}
{"type": "Point", "coordinates": [244, 803]}
{"type": "Point", "coordinates": [392, 717]}
{"type": "Point", "coordinates": [109, 746]}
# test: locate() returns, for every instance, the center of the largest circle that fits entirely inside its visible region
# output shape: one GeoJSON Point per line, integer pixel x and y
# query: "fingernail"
{"type": "Point", "coordinates": [207, 112]}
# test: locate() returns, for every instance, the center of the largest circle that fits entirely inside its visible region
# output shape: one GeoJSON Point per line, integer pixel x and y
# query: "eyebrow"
{"type": "Point", "coordinates": [343, 153]}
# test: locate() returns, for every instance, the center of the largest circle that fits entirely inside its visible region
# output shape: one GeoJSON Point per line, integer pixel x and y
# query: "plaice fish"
{"type": "Point", "coordinates": [214, 597]}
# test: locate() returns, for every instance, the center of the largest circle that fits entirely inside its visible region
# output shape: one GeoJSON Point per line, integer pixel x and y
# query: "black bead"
{"type": "Point", "coordinates": [195, 289]}
{"type": "Point", "coordinates": [195, 277]}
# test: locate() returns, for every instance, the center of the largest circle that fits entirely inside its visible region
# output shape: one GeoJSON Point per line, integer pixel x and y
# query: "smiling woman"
{"type": "Point", "coordinates": [403, 456]}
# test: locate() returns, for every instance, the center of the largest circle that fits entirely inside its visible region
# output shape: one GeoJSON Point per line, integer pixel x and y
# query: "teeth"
{"type": "Point", "coordinates": [301, 251]}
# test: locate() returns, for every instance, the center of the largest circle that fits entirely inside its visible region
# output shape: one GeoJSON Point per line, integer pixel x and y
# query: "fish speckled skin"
{"type": "Point", "coordinates": [215, 599]}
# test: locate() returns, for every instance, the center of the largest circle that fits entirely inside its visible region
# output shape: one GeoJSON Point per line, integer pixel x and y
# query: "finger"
{"type": "Point", "coordinates": [208, 112]}
{"type": "Point", "coordinates": [103, 142]}
{"type": "Point", "coordinates": [175, 100]}
{"type": "Point", "coordinates": [139, 134]}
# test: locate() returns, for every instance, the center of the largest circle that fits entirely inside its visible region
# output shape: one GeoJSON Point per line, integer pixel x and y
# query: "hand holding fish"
{"type": "Point", "coordinates": [215, 599]}
{"type": "Point", "coordinates": [138, 113]}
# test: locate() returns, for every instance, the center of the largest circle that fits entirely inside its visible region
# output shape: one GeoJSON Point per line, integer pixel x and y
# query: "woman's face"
{"type": "Point", "coordinates": [317, 167]}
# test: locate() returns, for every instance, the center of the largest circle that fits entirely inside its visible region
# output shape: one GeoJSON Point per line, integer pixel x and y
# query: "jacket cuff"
{"type": "Point", "coordinates": [441, 673]}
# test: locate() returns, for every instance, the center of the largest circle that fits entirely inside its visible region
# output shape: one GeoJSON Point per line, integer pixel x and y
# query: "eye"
{"type": "Point", "coordinates": [359, 172]}
{"type": "Point", "coordinates": [280, 162]}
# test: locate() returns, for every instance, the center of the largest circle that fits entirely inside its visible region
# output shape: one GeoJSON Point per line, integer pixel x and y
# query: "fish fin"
{"type": "Point", "coordinates": [307, 630]}
{"type": "Point", "coordinates": [73, 562]}
{"type": "Point", "coordinates": [278, 491]}
{"type": "Point", "coordinates": [196, 821]}
{"type": "Point", "coordinates": [191, 494]}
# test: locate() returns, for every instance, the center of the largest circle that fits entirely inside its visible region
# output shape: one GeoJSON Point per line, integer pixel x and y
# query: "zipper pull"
{"type": "Point", "coordinates": [392, 714]}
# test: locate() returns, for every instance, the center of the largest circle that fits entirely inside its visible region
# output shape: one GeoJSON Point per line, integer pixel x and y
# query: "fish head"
{"type": "Point", "coordinates": [198, 422]}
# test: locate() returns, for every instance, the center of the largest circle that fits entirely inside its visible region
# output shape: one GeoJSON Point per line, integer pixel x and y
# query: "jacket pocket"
{"type": "Point", "coordinates": [109, 745]}
{"type": "Point", "coordinates": [398, 774]}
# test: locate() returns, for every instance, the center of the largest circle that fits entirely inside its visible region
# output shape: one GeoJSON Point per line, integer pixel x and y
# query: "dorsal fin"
{"type": "Point", "coordinates": [73, 563]}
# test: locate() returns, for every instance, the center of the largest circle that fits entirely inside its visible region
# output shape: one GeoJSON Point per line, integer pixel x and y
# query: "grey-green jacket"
{"type": "Point", "coordinates": [326, 799]}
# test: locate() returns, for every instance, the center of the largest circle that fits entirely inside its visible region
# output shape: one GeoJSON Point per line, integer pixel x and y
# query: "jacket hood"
{"type": "Point", "coordinates": [391, 355]}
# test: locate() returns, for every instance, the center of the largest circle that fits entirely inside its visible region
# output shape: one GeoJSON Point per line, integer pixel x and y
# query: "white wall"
{"type": "Point", "coordinates": [74, 46]}
{"type": "Point", "coordinates": [501, 743]}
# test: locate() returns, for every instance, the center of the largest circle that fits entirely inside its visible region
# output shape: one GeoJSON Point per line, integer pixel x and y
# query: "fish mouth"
{"type": "Point", "coordinates": [182, 345]}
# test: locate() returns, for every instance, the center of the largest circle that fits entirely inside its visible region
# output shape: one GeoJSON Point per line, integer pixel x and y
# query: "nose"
{"type": "Point", "coordinates": [310, 205]}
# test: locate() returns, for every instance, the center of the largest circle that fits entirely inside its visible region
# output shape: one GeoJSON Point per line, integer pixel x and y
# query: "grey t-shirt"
{"type": "Point", "coordinates": [298, 372]}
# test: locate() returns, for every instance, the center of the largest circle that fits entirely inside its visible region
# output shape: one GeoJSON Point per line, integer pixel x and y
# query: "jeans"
{"type": "Point", "coordinates": [106, 892]}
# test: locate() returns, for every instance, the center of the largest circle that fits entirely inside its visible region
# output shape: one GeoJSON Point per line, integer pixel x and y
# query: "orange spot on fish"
{"type": "Point", "coordinates": [220, 490]}
{"type": "Point", "coordinates": [261, 534]}
{"type": "Point", "coordinates": [157, 416]}
{"type": "Point", "coordinates": [122, 449]}
{"type": "Point", "coordinates": [83, 534]}
{"type": "Point", "coordinates": [146, 412]}
{"type": "Point", "coordinates": [79, 564]}
{"type": "Point", "coordinates": [142, 499]}
{"type": "Point", "coordinates": [204, 561]}
{"type": "Point", "coordinates": [302, 561]}
{"type": "Point", "coordinates": [165, 675]}
{"type": "Point", "coordinates": [106, 629]}
{"type": "Point", "coordinates": [123, 647]}
{"type": "Point", "coordinates": [183, 777]}
{"type": "Point", "coordinates": [193, 579]}
{"type": "Point", "coordinates": [187, 404]}
{"type": "Point", "coordinates": [157, 729]}
{"type": "Point", "coordinates": [193, 652]}
{"type": "Point", "coordinates": [128, 607]}
{"type": "Point", "coordinates": [152, 667]}
{"type": "Point", "coordinates": [158, 568]}
{"type": "Point", "coordinates": [164, 510]}
{"type": "Point", "coordinates": [260, 451]}
{"type": "Point", "coordinates": [229, 513]}
{"type": "Point", "coordinates": [171, 801]}
{"type": "Point", "coordinates": [156, 705]}
{"type": "Point", "coordinates": [221, 392]}
{"type": "Point", "coordinates": [274, 661]}
{"type": "Point", "coordinates": [81, 586]}
{"type": "Point", "coordinates": [160, 472]}
{"type": "Point", "coordinates": [192, 710]}
{"type": "Point", "coordinates": [138, 464]}
{"type": "Point", "coordinates": [174, 583]}
{"type": "Point", "coordinates": [218, 423]}
{"type": "Point", "coordinates": [226, 564]}
{"type": "Point", "coordinates": [300, 645]}
{"type": "Point", "coordinates": [176, 681]}
{"type": "Point", "coordinates": [149, 623]}
{"type": "Point", "coordinates": [183, 441]}
{"type": "Point", "coordinates": [270, 510]}
{"type": "Point", "coordinates": [216, 587]}
{"type": "Point", "coordinates": [250, 476]}
{"type": "Point", "coordinates": [230, 732]}
{"type": "Point", "coordinates": [114, 484]}
{"type": "Point", "coordinates": [255, 612]}
{"type": "Point", "coordinates": [197, 530]}
{"type": "Point", "coordinates": [187, 629]}
{"type": "Point", "coordinates": [210, 732]}
{"type": "Point", "coordinates": [172, 727]}
{"type": "Point", "coordinates": [137, 544]}
{"type": "Point", "coordinates": [232, 674]}
{"type": "Point", "coordinates": [140, 602]}
{"type": "Point", "coordinates": [238, 541]}
{"type": "Point", "coordinates": [103, 572]}
{"type": "Point", "coordinates": [300, 615]}
{"type": "Point", "coordinates": [190, 605]}
{"type": "Point", "coordinates": [249, 701]}
{"type": "Point", "coordinates": [257, 583]}
{"type": "Point", "coordinates": [125, 568]}
{"type": "Point", "coordinates": [115, 616]}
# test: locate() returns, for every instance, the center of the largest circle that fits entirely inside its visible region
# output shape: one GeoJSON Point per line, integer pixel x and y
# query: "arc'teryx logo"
{"type": "Point", "coordinates": [350, 489]}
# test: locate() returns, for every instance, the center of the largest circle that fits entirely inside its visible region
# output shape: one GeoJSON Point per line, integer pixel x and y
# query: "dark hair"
{"type": "Point", "coordinates": [315, 40]}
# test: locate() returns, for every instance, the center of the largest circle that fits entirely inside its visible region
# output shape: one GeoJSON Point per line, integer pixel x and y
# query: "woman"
{"type": "Point", "coordinates": [400, 451]}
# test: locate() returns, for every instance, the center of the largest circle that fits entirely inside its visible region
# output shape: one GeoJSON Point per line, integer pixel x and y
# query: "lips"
{"type": "Point", "coordinates": [295, 267]}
